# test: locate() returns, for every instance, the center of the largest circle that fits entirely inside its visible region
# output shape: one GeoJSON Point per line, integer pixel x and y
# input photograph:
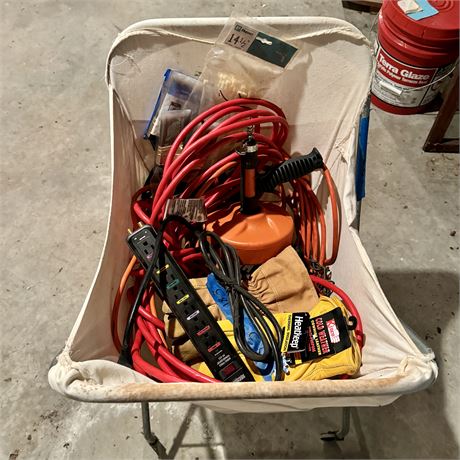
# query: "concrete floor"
{"type": "Point", "coordinates": [55, 192]}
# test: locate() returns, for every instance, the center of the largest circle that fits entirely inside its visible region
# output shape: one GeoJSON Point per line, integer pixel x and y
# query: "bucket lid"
{"type": "Point", "coordinates": [441, 27]}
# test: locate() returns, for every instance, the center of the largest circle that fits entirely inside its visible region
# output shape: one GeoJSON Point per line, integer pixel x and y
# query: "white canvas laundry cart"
{"type": "Point", "coordinates": [323, 97]}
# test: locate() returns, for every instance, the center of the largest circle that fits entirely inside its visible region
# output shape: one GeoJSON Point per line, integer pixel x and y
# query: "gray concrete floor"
{"type": "Point", "coordinates": [55, 192]}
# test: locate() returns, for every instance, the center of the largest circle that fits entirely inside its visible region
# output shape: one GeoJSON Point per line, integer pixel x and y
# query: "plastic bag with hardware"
{"type": "Point", "coordinates": [246, 59]}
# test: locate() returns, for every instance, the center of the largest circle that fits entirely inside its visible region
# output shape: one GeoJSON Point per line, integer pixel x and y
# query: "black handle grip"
{"type": "Point", "coordinates": [289, 170]}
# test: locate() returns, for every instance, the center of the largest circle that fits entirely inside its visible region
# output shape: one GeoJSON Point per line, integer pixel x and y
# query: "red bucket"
{"type": "Point", "coordinates": [414, 58]}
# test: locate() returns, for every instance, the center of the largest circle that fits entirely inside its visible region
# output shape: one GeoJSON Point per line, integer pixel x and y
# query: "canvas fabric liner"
{"type": "Point", "coordinates": [323, 97]}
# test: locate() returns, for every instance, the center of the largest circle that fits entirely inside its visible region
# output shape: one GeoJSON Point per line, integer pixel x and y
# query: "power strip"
{"type": "Point", "coordinates": [175, 289]}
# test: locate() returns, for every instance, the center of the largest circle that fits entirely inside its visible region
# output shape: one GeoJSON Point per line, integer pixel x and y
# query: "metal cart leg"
{"type": "Point", "coordinates": [339, 435]}
{"type": "Point", "coordinates": [146, 428]}
{"type": "Point", "coordinates": [149, 436]}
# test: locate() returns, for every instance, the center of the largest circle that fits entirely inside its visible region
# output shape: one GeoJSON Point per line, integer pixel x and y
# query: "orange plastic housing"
{"type": "Point", "coordinates": [257, 237]}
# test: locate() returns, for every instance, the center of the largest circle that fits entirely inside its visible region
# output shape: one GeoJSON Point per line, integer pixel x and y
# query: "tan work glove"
{"type": "Point", "coordinates": [283, 284]}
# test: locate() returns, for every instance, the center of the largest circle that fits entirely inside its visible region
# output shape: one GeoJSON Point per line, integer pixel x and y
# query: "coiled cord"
{"type": "Point", "coordinates": [225, 266]}
{"type": "Point", "coordinates": [208, 167]}
{"type": "Point", "coordinates": [212, 138]}
{"type": "Point", "coordinates": [227, 270]}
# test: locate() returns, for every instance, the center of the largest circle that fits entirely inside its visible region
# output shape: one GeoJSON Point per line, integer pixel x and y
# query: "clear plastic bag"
{"type": "Point", "coordinates": [178, 102]}
{"type": "Point", "coordinates": [245, 61]}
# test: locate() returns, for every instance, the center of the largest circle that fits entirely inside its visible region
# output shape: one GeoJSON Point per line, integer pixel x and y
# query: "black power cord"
{"type": "Point", "coordinates": [125, 353]}
{"type": "Point", "coordinates": [227, 270]}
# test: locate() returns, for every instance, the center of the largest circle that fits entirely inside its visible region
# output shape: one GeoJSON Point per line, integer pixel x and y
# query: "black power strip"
{"type": "Point", "coordinates": [193, 315]}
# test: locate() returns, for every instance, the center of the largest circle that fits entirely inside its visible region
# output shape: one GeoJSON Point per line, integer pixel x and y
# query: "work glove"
{"type": "Point", "coordinates": [283, 284]}
{"type": "Point", "coordinates": [346, 362]}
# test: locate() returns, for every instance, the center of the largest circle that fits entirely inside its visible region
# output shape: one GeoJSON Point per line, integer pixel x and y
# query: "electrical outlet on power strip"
{"type": "Point", "coordinates": [176, 290]}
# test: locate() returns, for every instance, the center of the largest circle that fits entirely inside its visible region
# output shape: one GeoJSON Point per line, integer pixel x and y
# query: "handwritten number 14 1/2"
{"type": "Point", "coordinates": [238, 40]}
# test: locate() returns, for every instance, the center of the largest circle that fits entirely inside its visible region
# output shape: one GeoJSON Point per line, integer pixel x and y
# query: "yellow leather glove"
{"type": "Point", "coordinates": [347, 361]}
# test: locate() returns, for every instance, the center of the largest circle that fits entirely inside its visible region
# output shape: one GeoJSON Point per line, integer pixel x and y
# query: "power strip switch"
{"type": "Point", "coordinates": [176, 290]}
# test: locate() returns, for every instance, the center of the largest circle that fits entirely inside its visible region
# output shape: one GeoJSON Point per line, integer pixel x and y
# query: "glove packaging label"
{"type": "Point", "coordinates": [295, 333]}
{"type": "Point", "coordinates": [328, 335]}
{"type": "Point", "coordinates": [325, 335]}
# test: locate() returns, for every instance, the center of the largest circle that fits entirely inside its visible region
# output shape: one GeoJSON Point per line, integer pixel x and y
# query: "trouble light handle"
{"type": "Point", "coordinates": [290, 170]}
{"type": "Point", "coordinates": [248, 192]}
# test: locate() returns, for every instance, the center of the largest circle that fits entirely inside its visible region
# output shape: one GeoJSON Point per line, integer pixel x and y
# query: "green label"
{"type": "Point", "coordinates": [272, 50]}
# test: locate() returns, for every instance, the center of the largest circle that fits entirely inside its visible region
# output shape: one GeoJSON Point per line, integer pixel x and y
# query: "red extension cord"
{"type": "Point", "coordinates": [217, 132]}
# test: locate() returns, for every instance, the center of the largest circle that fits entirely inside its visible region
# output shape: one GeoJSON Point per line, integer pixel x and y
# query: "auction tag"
{"type": "Point", "coordinates": [260, 45]}
{"type": "Point", "coordinates": [192, 209]}
{"type": "Point", "coordinates": [295, 333]}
